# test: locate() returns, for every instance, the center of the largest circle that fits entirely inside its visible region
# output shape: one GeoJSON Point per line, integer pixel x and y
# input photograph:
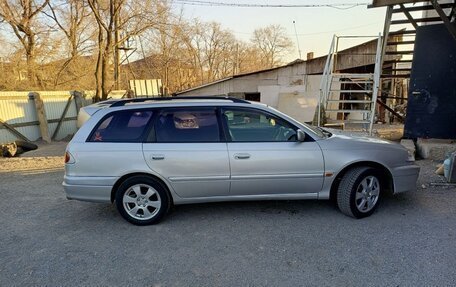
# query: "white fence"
{"type": "Point", "coordinates": [18, 111]}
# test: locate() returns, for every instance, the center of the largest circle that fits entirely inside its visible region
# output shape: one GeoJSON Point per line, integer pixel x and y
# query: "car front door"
{"type": "Point", "coordinates": [266, 157]}
{"type": "Point", "coordinates": [185, 148]}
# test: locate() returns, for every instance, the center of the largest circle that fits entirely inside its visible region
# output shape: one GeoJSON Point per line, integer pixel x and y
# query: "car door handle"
{"type": "Point", "coordinates": [241, 156]}
{"type": "Point", "coordinates": [158, 156]}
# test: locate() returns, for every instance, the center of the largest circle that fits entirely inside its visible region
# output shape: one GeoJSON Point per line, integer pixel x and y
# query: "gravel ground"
{"type": "Point", "coordinates": [49, 240]}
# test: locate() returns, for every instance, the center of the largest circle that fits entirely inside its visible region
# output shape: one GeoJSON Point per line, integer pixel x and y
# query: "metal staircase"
{"type": "Point", "coordinates": [349, 97]}
{"type": "Point", "coordinates": [352, 98]}
{"type": "Point", "coordinates": [405, 18]}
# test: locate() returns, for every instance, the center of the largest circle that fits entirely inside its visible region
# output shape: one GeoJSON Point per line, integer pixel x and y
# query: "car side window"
{"type": "Point", "coordinates": [122, 126]}
{"type": "Point", "coordinates": [255, 126]}
{"type": "Point", "coordinates": [187, 125]}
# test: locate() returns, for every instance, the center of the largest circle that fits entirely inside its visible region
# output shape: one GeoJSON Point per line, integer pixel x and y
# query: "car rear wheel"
{"type": "Point", "coordinates": [359, 192]}
{"type": "Point", "coordinates": [142, 200]}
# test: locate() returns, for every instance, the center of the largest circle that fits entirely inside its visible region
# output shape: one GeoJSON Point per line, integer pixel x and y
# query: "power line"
{"type": "Point", "coordinates": [257, 5]}
{"type": "Point", "coordinates": [321, 32]}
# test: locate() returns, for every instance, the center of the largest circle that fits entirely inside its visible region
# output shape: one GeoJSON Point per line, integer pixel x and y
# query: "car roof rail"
{"type": "Point", "coordinates": [123, 102]}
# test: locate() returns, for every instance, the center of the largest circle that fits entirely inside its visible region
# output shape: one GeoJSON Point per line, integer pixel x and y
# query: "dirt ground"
{"type": "Point", "coordinates": [48, 240]}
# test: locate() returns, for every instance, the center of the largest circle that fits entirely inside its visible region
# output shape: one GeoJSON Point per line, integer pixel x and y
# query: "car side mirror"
{"type": "Point", "coordinates": [301, 136]}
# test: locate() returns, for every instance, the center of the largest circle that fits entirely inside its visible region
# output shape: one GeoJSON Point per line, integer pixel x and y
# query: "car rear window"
{"type": "Point", "coordinates": [123, 126]}
{"type": "Point", "coordinates": [182, 125]}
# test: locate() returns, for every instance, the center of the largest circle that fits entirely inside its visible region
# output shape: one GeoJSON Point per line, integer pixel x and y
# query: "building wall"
{"type": "Point", "coordinates": [299, 101]}
{"type": "Point", "coordinates": [292, 75]}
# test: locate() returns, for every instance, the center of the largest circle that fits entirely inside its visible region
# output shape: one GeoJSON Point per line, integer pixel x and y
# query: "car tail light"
{"type": "Point", "coordinates": [68, 158]}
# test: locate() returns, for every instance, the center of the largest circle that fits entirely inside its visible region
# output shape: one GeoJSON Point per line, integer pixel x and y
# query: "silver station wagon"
{"type": "Point", "coordinates": [146, 155]}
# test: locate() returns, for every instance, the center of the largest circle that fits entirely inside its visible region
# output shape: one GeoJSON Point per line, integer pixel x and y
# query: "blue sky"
{"type": "Point", "coordinates": [315, 26]}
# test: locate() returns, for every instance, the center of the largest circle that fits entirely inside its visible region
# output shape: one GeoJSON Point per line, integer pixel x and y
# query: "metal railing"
{"type": "Point", "coordinates": [330, 69]}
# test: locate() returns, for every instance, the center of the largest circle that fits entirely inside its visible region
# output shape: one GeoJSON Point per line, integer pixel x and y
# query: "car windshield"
{"type": "Point", "coordinates": [321, 133]}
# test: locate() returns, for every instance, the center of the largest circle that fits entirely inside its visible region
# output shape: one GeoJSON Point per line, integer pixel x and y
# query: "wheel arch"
{"type": "Point", "coordinates": [387, 177]}
{"type": "Point", "coordinates": [129, 175]}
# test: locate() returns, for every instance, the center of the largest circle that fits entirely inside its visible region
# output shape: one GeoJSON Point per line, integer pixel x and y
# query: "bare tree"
{"type": "Point", "coordinates": [71, 17]}
{"type": "Point", "coordinates": [219, 46]}
{"type": "Point", "coordinates": [273, 43]}
{"type": "Point", "coordinates": [117, 20]}
{"type": "Point", "coordinates": [21, 15]}
{"type": "Point", "coordinates": [62, 37]}
{"type": "Point", "coordinates": [211, 49]}
{"type": "Point", "coordinates": [249, 58]}
{"type": "Point", "coordinates": [163, 49]}
{"type": "Point", "coordinates": [185, 54]}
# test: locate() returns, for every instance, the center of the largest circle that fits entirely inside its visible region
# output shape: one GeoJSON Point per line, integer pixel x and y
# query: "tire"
{"type": "Point", "coordinates": [359, 192]}
{"type": "Point", "coordinates": [142, 200]}
{"type": "Point", "coordinates": [26, 146]}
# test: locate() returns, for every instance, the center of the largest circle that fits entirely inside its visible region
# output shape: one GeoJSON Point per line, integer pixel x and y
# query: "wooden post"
{"type": "Point", "coordinates": [78, 100]}
{"type": "Point", "coordinates": [62, 117]}
{"type": "Point", "coordinates": [41, 115]}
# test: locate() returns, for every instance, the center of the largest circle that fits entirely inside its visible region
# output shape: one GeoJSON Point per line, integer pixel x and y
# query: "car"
{"type": "Point", "coordinates": [148, 154]}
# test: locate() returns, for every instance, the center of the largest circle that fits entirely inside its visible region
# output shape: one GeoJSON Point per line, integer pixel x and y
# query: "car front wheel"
{"type": "Point", "coordinates": [142, 200]}
{"type": "Point", "coordinates": [359, 192]}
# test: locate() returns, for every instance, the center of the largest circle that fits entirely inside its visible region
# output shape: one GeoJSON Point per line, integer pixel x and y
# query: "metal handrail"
{"type": "Point", "coordinates": [377, 73]}
{"type": "Point", "coordinates": [328, 73]}
{"type": "Point", "coordinates": [324, 83]}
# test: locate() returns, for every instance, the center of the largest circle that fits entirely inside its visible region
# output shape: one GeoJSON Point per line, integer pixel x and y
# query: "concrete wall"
{"type": "Point", "coordinates": [298, 101]}
{"type": "Point", "coordinates": [270, 95]}
{"type": "Point", "coordinates": [292, 75]}
{"type": "Point", "coordinates": [298, 106]}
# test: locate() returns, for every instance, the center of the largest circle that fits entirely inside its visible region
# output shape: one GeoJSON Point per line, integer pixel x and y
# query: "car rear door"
{"type": "Point", "coordinates": [185, 147]}
{"type": "Point", "coordinates": [113, 148]}
{"type": "Point", "coordinates": [266, 158]}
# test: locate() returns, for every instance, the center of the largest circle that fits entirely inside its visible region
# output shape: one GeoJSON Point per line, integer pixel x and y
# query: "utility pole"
{"type": "Point", "coordinates": [116, 51]}
{"type": "Point", "coordinates": [236, 61]}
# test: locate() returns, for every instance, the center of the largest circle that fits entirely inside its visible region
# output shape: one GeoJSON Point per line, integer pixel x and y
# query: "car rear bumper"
{"type": "Point", "coordinates": [405, 178]}
{"type": "Point", "coordinates": [93, 189]}
{"type": "Point", "coordinates": [90, 193]}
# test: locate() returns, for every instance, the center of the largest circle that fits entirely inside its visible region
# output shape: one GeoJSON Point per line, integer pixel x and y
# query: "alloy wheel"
{"type": "Point", "coordinates": [141, 201]}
